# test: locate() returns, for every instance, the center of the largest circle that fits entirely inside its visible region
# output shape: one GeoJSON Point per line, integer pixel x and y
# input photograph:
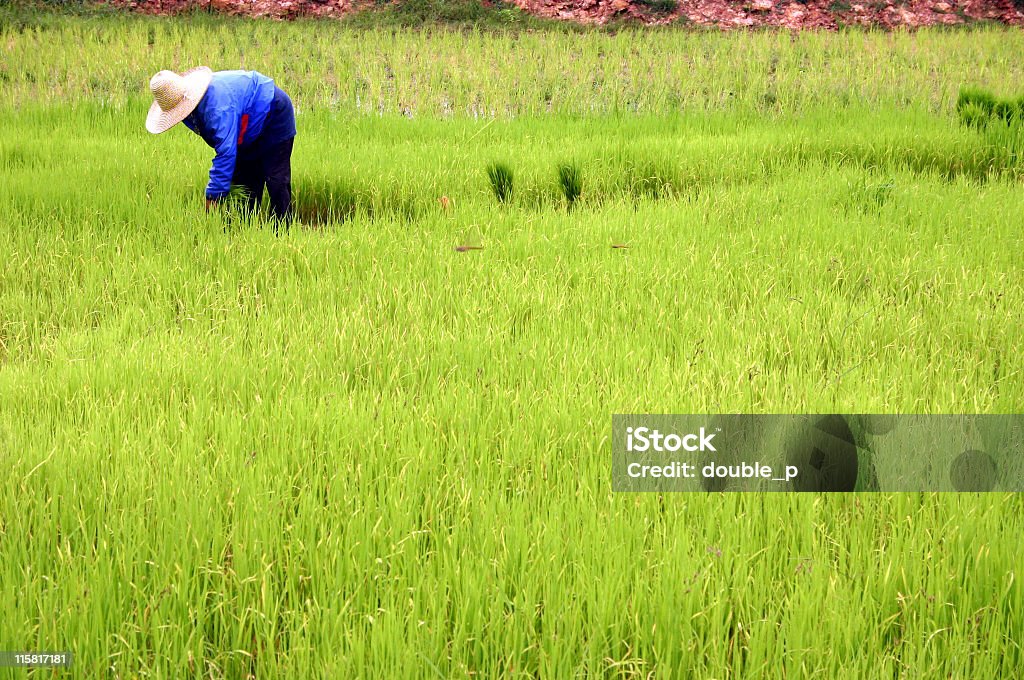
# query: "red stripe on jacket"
{"type": "Point", "coordinates": [241, 128]}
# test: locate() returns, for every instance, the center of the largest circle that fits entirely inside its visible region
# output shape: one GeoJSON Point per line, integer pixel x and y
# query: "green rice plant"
{"type": "Point", "coordinates": [869, 198]}
{"type": "Point", "coordinates": [648, 178]}
{"type": "Point", "coordinates": [500, 177]}
{"type": "Point", "coordinates": [357, 67]}
{"type": "Point", "coordinates": [319, 203]}
{"type": "Point", "coordinates": [1000, 121]}
{"type": "Point", "coordinates": [372, 452]}
{"type": "Point", "coordinates": [236, 207]}
{"type": "Point", "coordinates": [974, 115]}
{"type": "Point", "coordinates": [1007, 141]}
{"type": "Point", "coordinates": [570, 179]}
{"type": "Point", "coordinates": [977, 108]}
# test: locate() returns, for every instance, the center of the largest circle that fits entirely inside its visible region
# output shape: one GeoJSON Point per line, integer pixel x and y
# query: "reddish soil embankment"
{"type": "Point", "coordinates": [789, 13]}
{"type": "Point", "coordinates": [827, 14]}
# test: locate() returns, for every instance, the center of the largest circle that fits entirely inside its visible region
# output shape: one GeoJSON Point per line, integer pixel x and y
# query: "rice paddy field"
{"type": "Point", "coordinates": [378, 445]}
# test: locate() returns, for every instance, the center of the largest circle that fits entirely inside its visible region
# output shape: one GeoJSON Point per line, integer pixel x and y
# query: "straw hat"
{"type": "Point", "coordinates": [176, 95]}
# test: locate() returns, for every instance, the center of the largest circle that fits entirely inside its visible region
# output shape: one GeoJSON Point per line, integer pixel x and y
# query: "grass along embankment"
{"type": "Point", "coordinates": [353, 450]}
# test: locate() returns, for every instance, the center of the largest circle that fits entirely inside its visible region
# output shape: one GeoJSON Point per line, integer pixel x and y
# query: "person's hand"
{"type": "Point", "coordinates": [210, 203]}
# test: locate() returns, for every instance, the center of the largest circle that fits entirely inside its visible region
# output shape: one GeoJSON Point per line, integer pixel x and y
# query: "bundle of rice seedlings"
{"type": "Point", "coordinates": [571, 179]}
{"type": "Point", "coordinates": [978, 108]}
{"type": "Point", "coordinates": [500, 176]}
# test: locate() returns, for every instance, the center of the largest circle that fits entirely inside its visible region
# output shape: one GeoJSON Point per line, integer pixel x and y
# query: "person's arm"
{"type": "Point", "coordinates": [223, 128]}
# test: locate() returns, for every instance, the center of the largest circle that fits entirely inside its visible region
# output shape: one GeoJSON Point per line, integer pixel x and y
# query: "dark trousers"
{"type": "Point", "coordinates": [270, 166]}
{"type": "Point", "coordinates": [267, 162]}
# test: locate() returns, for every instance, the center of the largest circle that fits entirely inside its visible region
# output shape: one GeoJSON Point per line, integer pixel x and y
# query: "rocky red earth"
{"type": "Point", "coordinates": [823, 14]}
{"type": "Point", "coordinates": [788, 13]}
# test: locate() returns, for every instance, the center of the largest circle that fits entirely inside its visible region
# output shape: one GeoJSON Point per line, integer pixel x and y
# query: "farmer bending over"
{"type": "Point", "coordinates": [245, 117]}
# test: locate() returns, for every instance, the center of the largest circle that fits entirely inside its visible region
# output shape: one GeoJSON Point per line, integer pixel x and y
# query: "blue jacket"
{"type": "Point", "coordinates": [230, 117]}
